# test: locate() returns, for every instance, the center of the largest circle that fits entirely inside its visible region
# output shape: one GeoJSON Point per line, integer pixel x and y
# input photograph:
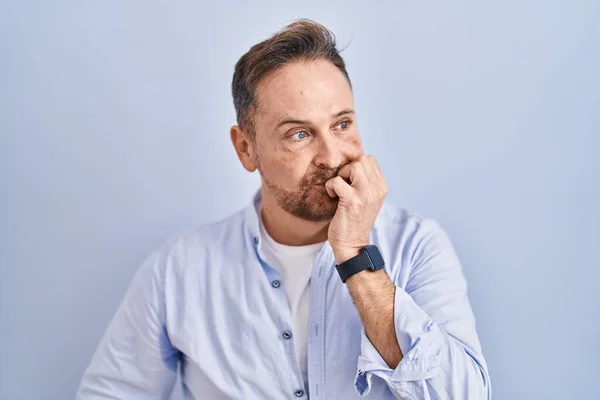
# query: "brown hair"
{"type": "Point", "coordinates": [302, 40]}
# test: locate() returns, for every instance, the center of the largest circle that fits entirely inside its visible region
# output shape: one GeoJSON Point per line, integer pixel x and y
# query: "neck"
{"type": "Point", "coordinates": [288, 229]}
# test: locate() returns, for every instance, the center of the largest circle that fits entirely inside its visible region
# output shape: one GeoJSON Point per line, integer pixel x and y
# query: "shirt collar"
{"type": "Point", "coordinates": [252, 219]}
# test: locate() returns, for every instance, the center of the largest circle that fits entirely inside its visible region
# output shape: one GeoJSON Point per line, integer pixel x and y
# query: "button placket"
{"type": "Point", "coordinates": [316, 343]}
{"type": "Point", "coordinates": [276, 283]}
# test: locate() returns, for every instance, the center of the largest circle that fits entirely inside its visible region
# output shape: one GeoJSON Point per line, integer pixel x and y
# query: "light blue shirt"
{"type": "Point", "coordinates": [207, 301]}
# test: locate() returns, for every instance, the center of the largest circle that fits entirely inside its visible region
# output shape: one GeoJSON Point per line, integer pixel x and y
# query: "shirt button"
{"type": "Point", "coordinates": [299, 393]}
{"type": "Point", "coordinates": [275, 284]}
{"type": "Point", "coordinates": [287, 335]}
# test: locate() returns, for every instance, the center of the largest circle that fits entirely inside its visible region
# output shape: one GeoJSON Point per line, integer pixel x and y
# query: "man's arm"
{"type": "Point", "coordinates": [422, 339]}
{"type": "Point", "coordinates": [373, 295]}
{"type": "Point", "coordinates": [135, 359]}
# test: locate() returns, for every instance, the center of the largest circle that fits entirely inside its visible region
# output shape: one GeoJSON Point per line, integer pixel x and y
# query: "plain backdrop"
{"type": "Point", "coordinates": [114, 122]}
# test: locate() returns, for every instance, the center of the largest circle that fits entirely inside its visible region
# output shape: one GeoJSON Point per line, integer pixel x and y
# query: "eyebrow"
{"type": "Point", "coordinates": [286, 120]}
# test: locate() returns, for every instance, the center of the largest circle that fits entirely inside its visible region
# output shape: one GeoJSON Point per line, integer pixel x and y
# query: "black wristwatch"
{"type": "Point", "coordinates": [368, 258]}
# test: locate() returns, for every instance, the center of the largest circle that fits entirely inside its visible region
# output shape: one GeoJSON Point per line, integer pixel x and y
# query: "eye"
{"type": "Point", "coordinates": [344, 125]}
{"type": "Point", "coordinates": [300, 135]}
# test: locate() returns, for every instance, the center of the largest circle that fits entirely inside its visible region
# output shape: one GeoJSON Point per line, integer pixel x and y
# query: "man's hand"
{"type": "Point", "coordinates": [372, 293]}
{"type": "Point", "coordinates": [359, 203]}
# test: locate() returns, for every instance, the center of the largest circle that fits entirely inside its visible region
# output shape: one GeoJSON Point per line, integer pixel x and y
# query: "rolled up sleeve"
{"type": "Point", "coordinates": [435, 329]}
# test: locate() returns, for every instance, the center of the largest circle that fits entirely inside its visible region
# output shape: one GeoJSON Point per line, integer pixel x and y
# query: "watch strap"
{"type": "Point", "coordinates": [353, 266]}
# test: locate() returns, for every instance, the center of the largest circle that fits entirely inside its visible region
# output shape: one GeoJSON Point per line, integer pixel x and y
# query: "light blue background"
{"type": "Point", "coordinates": [114, 121]}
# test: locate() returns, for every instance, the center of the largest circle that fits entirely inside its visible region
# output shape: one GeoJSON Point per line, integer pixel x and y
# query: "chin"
{"type": "Point", "coordinates": [310, 203]}
{"type": "Point", "coordinates": [317, 207]}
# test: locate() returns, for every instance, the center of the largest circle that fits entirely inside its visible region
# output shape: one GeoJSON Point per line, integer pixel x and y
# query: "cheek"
{"type": "Point", "coordinates": [355, 145]}
{"type": "Point", "coordinates": [286, 169]}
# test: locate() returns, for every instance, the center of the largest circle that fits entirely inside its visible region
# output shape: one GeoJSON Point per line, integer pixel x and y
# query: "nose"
{"type": "Point", "coordinates": [330, 152]}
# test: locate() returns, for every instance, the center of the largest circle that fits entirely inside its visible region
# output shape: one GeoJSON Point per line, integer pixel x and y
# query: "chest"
{"type": "Point", "coordinates": [234, 330]}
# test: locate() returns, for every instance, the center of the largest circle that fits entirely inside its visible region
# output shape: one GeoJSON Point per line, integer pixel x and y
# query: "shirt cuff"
{"type": "Point", "coordinates": [419, 339]}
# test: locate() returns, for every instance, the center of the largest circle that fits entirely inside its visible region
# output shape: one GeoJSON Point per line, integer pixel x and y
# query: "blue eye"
{"type": "Point", "coordinates": [344, 125]}
{"type": "Point", "coordinates": [300, 135]}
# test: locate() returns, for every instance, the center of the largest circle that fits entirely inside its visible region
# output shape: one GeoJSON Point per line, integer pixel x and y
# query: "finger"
{"type": "Point", "coordinates": [329, 189]}
{"type": "Point", "coordinates": [338, 187]}
{"type": "Point", "coordinates": [354, 173]}
{"type": "Point", "coordinates": [375, 168]}
{"type": "Point", "coordinates": [368, 164]}
{"type": "Point", "coordinates": [378, 178]}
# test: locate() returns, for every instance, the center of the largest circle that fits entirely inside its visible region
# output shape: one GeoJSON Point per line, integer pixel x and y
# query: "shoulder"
{"type": "Point", "coordinates": [208, 236]}
{"type": "Point", "coordinates": [194, 247]}
{"type": "Point", "coordinates": [402, 221]}
{"type": "Point", "coordinates": [404, 238]}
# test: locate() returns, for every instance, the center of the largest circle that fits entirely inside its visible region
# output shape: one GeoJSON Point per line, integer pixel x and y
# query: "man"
{"type": "Point", "coordinates": [317, 289]}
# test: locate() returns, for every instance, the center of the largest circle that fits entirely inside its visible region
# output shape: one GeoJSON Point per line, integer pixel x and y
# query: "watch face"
{"type": "Point", "coordinates": [375, 257]}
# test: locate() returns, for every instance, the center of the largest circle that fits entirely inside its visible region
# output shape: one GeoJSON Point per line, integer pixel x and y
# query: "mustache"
{"type": "Point", "coordinates": [323, 175]}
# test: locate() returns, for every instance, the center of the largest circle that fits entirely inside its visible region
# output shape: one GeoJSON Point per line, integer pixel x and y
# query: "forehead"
{"type": "Point", "coordinates": [303, 89]}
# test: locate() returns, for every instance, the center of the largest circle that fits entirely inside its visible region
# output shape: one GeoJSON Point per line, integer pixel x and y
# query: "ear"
{"type": "Point", "coordinates": [244, 147]}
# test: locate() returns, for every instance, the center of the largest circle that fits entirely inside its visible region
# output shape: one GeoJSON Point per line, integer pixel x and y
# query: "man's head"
{"type": "Point", "coordinates": [295, 114]}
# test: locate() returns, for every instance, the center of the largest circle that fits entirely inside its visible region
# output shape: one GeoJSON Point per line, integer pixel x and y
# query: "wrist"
{"type": "Point", "coordinates": [345, 252]}
{"type": "Point", "coordinates": [343, 255]}
{"type": "Point", "coordinates": [352, 261]}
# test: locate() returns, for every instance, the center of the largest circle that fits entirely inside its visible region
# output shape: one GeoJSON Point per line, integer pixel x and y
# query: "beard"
{"type": "Point", "coordinates": [309, 201]}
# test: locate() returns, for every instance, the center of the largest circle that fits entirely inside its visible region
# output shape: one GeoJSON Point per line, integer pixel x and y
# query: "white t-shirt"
{"type": "Point", "coordinates": [294, 264]}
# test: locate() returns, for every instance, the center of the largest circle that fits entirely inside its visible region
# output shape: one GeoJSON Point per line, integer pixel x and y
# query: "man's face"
{"type": "Point", "coordinates": [305, 132]}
